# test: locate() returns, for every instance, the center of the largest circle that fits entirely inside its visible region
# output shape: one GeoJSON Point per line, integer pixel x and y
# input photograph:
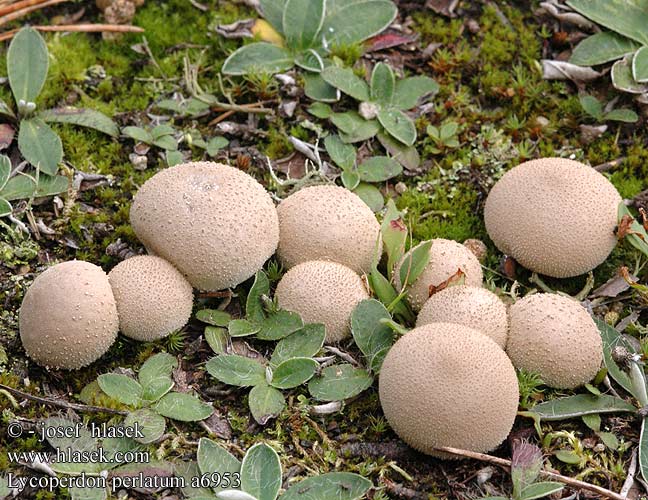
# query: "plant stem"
{"type": "Point", "coordinates": [86, 28]}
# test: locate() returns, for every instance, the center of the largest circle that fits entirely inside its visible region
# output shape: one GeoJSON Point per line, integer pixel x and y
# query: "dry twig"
{"type": "Point", "coordinates": [86, 28]}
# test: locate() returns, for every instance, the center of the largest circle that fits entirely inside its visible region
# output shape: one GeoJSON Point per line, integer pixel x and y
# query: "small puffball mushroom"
{"type": "Point", "coordinates": [446, 258]}
{"type": "Point", "coordinates": [444, 384]}
{"type": "Point", "coordinates": [328, 223]}
{"type": "Point", "coordinates": [554, 216]}
{"type": "Point", "coordinates": [555, 337]}
{"type": "Point", "coordinates": [215, 224]}
{"type": "Point", "coordinates": [322, 292]}
{"type": "Point", "coordinates": [68, 318]}
{"type": "Point", "coordinates": [153, 298]}
{"type": "Point", "coordinates": [470, 306]}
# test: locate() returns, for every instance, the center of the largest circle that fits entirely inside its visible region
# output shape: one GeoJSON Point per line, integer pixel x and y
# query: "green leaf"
{"type": "Point", "coordinates": [627, 17]}
{"type": "Point", "coordinates": [320, 110]}
{"type": "Point", "coordinates": [640, 65]}
{"type": "Point", "coordinates": [302, 21]}
{"type": "Point", "coordinates": [414, 263]}
{"type": "Point", "coordinates": [4, 487]}
{"type": "Point", "coordinates": [254, 310]}
{"type": "Point", "coordinates": [317, 89]}
{"type": "Point", "coordinates": [217, 339]}
{"type": "Point", "coordinates": [304, 343]}
{"type": "Point", "coordinates": [353, 127]}
{"type": "Point", "coordinates": [183, 407]}
{"type": "Point", "coordinates": [155, 376]}
{"type": "Point", "coordinates": [579, 405]}
{"type": "Point", "coordinates": [338, 485]}
{"type": "Point", "coordinates": [310, 60]}
{"type": "Point", "coordinates": [6, 111]}
{"type": "Point", "coordinates": [379, 169]}
{"type": "Point", "coordinates": [265, 403]}
{"type": "Point", "coordinates": [138, 133]}
{"type": "Point", "coordinates": [609, 440]}
{"type": "Point", "coordinates": [173, 158]}
{"type": "Point", "coordinates": [410, 90]}
{"type": "Point", "coordinates": [22, 186]}
{"type": "Point", "coordinates": [370, 335]}
{"type": "Point", "coordinates": [540, 490]}
{"type": "Point", "coordinates": [151, 425]}
{"type": "Point", "coordinates": [347, 81]}
{"type": "Point", "coordinates": [371, 195]}
{"type": "Point", "coordinates": [383, 83]}
{"type": "Point", "coordinates": [592, 106]}
{"type": "Point", "coordinates": [339, 382]}
{"type": "Point", "coordinates": [87, 493]}
{"type": "Point", "coordinates": [5, 170]}
{"type": "Point", "coordinates": [622, 115]}
{"type": "Point", "coordinates": [27, 64]}
{"type": "Point", "coordinates": [166, 142]}
{"type": "Point", "coordinates": [214, 458]}
{"type": "Point", "coordinates": [593, 421]}
{"type": "Point", "coordinates": [568, 456]}
{"type": "Point", "coordinates": [5, 208]}
{"type": "Point", "coordinates": [611, 339]}
{"type": "Point", "coordinates": [122, 388]}
{"type": "Point", "coordinates": [405, 155]}
{"type": "Point", "coordinates": [40, 145]}
{"type": "Point", "coordinates": [343, 155]}
{"type": "Point", "coordinates": [293, 373]}
{"type": "Point", "coordinates": [398, 125]}
{"type": "Point", "coordinates": [233, 369]}
{"type": "Point", "coordinates": [350, 179]}
{"type": "Point", "coordinates": [273, 12]}
{"type": "Point", "coordinates": [258, 57]}
{"type": "Point", "coordinates": [242, 328]}
{"type": "Point", "coordinates": [394, 235]}
{"type": "Point", "coordinates": [261, 472]}
{"type": "Point", "coordinates": [601, 48]}
{"type": "Point", "coordinates": [623, 80]}
{"type": "Point", "coordinates": [643, 450]}
{"type": "Point", "coordinates": [215, 144]}
{"type": "Point", "coordinates": [214, 317]}
{"type": "Point", "coordinates": [279, 325]}
{"type": "Point", "coordinates": [353, 21]}
{"type": "Point", "coordinates": [88, 118]}
{"type": "Point", "coordinates": [189, 470]}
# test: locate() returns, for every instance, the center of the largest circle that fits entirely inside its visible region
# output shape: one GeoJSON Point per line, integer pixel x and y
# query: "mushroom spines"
{"type": "Point", "coordinates": [447, 257]}
{"type": "Point", "coordinates": [153, 298]}
{"type": "Point", "coordinates": [322, 292]}
{"type": "Point", "coordinates": [471, 306]}
{"type": "Point", "coordinates": [444, 384]}
{"type": "Point", "coordinates": [554, 216]}
{"type": "Point", "coordinates": [216, 224]}
{"type": "Point", "coordinates": [68, 318]}
{"type": "Point", "coordinates": [554, 336]}
{"type": "Point", "coordinates": [328, 223]}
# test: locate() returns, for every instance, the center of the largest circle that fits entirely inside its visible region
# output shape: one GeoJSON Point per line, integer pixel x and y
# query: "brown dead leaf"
{"type": "Point", "coordinates": [612, 287]}
{"type": "Point", "coordinates": [388, 40]}
{"type": "Point", "coordinates": [443, 7]}
{"type": "Point", "coordinates": [561, 70]}
{"type": "Point", "coordinates": [294, 166]}
{"type": "Point", "coordinates": [239, 29]}
{"type": "Point", "coordinates": [218, 425]}
{"type": "Point", "coordinates": [625, 228]}
{"type": "Point", "coordinates": [7, 133]}
{"type": "Point", "coordinates": [644, 218]}
{"type": "Point", "coordinates": [457, 278]}
{"type": "Point", "coordinates": [508, 267]}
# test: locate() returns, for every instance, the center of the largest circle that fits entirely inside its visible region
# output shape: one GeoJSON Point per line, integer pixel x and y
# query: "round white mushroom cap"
{"type": "Point", "coordinates": [555, 337]}
{"type": "Point", "coordinates": [328, 223]}
{"type": "Point", "coordinates": [554, 216]}
{"type": "Point", "coordinates": [322, 292]}
{"type": "Point", "coordinates": [446, 258]}
{"type": "Point", "coordinates": [153, 298]}
{"type": "Point", "coordinates": [445, 384]}
{"type": "Point", "coordinates": [68, 318]}
{"type": "Point", "coordinates": [214, 223]}
{"type": "Point", "coordinates": [470, 306]}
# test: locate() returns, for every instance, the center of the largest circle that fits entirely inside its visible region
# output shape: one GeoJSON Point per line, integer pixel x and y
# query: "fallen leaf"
{"type": "Point", "coordinates": [443, 7]}
{"type": "Point", "coordinates": [7, 133]}
{"type": "Point", "coordinates": [388, 40]}
{"type": "Point", "coordinates": [239, 29]}
{"type": "Point", "coordinates": [625, 228]}
{"type": "Point", "coordinates": [561, 70]}
{"type": "Point", "coordinates": [457, 278]}
{"type": "Point", "coordinates": [218, 425]}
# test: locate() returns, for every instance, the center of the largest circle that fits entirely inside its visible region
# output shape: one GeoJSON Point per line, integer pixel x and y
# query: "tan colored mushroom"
{"type": "Point", "coordinates": [322, 292]}
{"type": "Point", "coordinates": [214, 223]}
{"type": "Point", "coordinates": [554, 216]}
{"type": "Point", "coordinates": [445, 384]}
{"type": "Point", "coordinates": [153, 298]}
{"type": "Point", "coordinates": [328, 223]}
{"type": "Point", "coordinates": [68, 318]}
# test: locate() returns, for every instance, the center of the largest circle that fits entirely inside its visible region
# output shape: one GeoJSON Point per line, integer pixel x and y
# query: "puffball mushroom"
{"type": "Point", "coordinates": [328, 223]}
{"type": "Point", "coordinates": [470, 306]}
{"type": "Point", "coordinates": [153, 298]}
{"type": "Point", "coordinates": [214, 223]}
{"type": "Point", "coordinates": [555, 337]}
{"type": "Point", "coordinates": [445, 384]}
{"type": "Point", "coordinates": [446, 258]}
{"type": "Point", "coordinates": [554, 216]}
{"type": "Point", "coordinates": [68, 318]}
{"type": "Point", "coordinates": [322, 292]}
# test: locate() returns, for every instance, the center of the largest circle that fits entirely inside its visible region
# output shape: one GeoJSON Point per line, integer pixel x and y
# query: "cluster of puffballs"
{"type": "Point", "coordinates": [450, 381]}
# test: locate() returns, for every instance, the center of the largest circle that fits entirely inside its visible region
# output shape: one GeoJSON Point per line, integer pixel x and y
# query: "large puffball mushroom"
{"type": "Point", "coordinates": [446, 258]}
{"type": "Point", "coordinates": [470, 306]}
{"type": "Point", "coordinates": [153, 298]}
{"type": "Point", "coordinates": [554, 216]}
{"type": "Point", "coordinates": [214, 223]}
{"type": "Point", "coordinates": [322, 292]}
{"type": "Point", "coordinates": [68, 318]}
{"type": "Point", "coordinates": [555, 337]}
{"type": "Point", "coordinates": [444, 384]}
{"type": "Point", "coordinates": [328, 223]}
